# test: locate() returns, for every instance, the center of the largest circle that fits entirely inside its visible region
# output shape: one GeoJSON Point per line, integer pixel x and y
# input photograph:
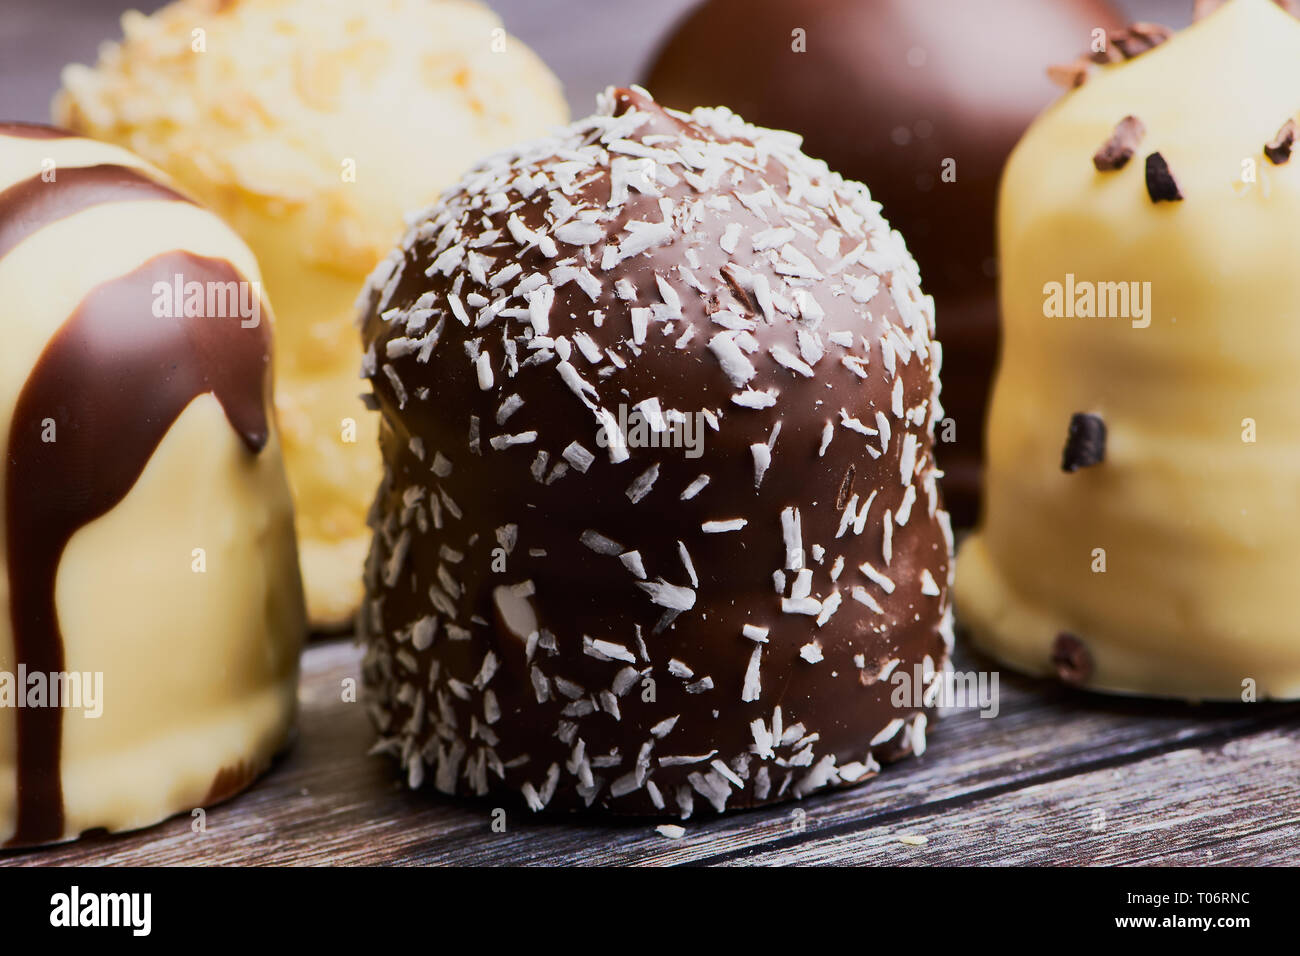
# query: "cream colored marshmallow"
{"type": "Point", "coordinates": [1174, 561]}
{"type": "Point", "coordinates": [312, 126]}
{"type": "Point", "coordinates": [185, 597]}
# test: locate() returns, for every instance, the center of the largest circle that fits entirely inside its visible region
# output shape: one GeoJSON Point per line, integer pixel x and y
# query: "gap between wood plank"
{"type": "Point", "coordinates": [962, 800]}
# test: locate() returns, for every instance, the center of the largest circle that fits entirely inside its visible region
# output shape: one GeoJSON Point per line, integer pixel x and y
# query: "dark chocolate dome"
{"type": "Point", "coordinates": [565, 603]}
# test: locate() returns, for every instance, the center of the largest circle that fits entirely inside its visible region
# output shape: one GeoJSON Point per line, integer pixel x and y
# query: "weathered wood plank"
{"type": "Point", "coordinates": [1042, 735]}
{"type": "Point", "coordinates": [1234, 802]}
{"type": "Point", "coordinates": [327, 802]}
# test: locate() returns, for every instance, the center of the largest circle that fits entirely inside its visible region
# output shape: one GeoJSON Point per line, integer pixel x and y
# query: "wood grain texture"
{"type": "Point", "coordinates": [1175, 784]}
{"type": "Point", "coordinates": [1215, 803]}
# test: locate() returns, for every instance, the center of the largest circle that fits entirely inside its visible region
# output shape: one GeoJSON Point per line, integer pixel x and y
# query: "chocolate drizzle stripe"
{"type": "Point", "coordinates": [113, 379]}
{"type": "Point", "coordinates": [30, 205]}
{"type": "Point", "coordinates": [35, 131]}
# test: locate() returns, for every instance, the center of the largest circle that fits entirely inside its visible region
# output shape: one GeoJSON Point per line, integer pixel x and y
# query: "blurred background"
{"type": "Point", "coordinates": [588, 43]}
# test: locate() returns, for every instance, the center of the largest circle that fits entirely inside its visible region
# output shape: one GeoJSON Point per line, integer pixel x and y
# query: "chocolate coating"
{"type": "Point", "coordinates": [887, 92]}
{"type": "Point", "coordinates": [112, 380]}
{"type": "Point", "coordinates": [549, 617]}
{"type": "Point", "coordinates": [29, 206]}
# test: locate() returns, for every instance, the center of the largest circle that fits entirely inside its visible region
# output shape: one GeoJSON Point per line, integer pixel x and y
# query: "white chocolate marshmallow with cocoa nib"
{"type": "Point", "coordinates": [1142, 511]}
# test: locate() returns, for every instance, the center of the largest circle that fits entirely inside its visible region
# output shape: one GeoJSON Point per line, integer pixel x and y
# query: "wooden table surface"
{"type": "Point", "coordinates": [1057, 777]}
